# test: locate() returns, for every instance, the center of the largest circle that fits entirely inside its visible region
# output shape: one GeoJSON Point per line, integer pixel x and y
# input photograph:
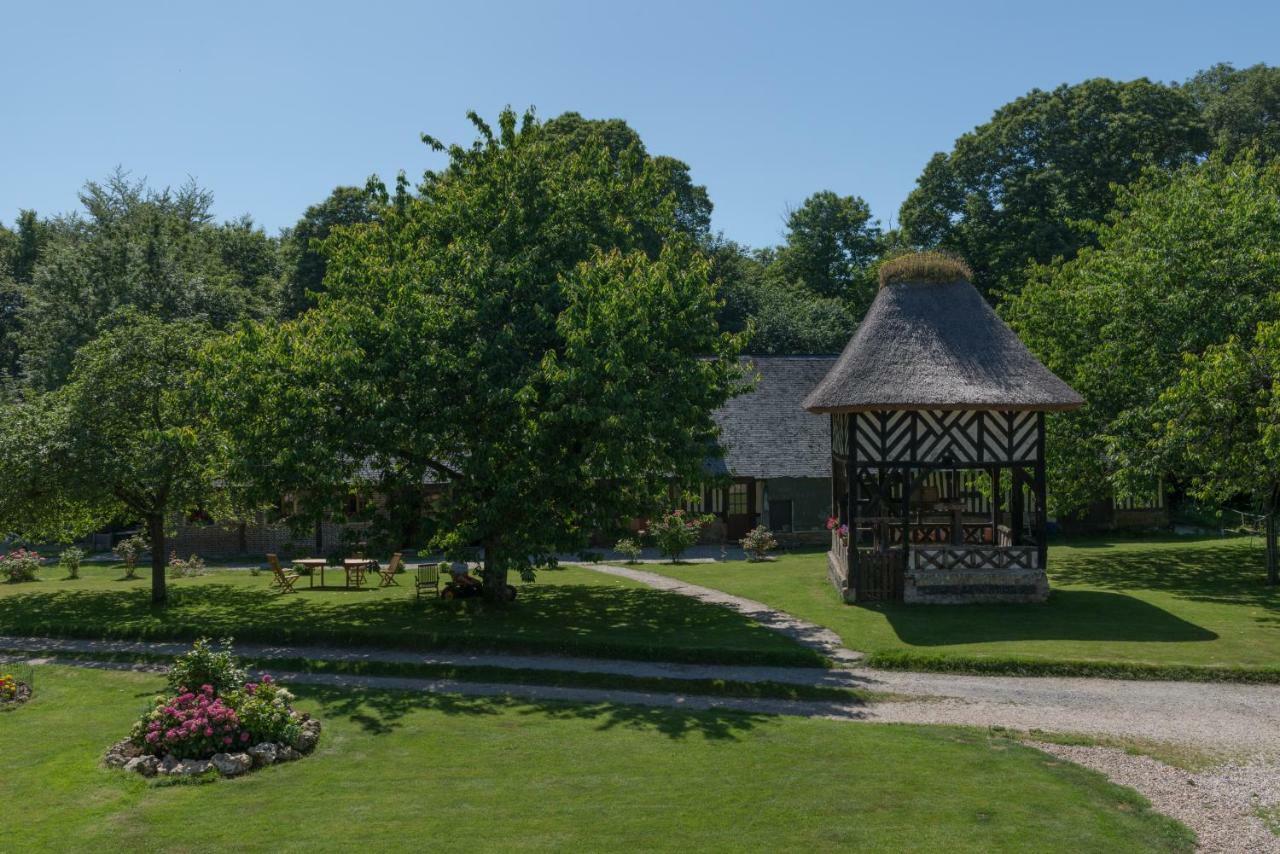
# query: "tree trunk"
{"type": "Point", "coordinates": [155, 532]}
{"type": "Point", "coordinates": [1273, 571]}
{"type": "Point", "coordinates": [494, 574]}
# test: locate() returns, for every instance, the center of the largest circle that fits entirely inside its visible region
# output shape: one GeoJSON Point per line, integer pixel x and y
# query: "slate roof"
{"type": "Point", "coordinates": [766, 432]}
{"type": "Point", "coordinates": [937, 346]}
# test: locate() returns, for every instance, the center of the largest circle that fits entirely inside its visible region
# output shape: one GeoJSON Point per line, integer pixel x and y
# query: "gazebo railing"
{"type": "Point", "coordinates": [986, 557]}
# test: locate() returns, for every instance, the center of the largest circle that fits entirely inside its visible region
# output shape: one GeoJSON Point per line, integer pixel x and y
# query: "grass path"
{"type": "Point", "coordinates": [401, 771]}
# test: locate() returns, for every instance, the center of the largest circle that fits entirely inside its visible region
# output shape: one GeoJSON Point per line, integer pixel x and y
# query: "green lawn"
{"type": "Point", "coordinates": [398, 771]}
{"type": "Point", "coordinates": [1116, 604]}
{"type": "Point", "coordinates": [567, 610]}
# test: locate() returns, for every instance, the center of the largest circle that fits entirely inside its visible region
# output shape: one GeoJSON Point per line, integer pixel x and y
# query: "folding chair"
{"type": "Point", "coordinates": [428, 576]}
{"type": "Point", "coordinates": [280, 578]}
{"type": "Point", "coordinates": [387, 577]}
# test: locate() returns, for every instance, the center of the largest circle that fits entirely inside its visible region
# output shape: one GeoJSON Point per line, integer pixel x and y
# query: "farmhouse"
{"type": "Point", "coordinates": [933, 382]}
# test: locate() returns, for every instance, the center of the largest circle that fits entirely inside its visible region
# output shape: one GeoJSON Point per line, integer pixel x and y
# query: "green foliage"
{"type": "Point", "coordinates": [156, 251]}
{"type": "Point", "coordinates": [19, 565]}
{"type": "Point", "coordinates": [530, 327]}
{"type": "Point", "coordinates": [191, 567]}
{"type": "Point", "coordinates": [1026, 186]}
{"type": "Point", "coordinates": [124, 437]}
{"type": "Point", "coordinates": [265, 709]}
{"type": "Point", "coordinates": [1189, 260]}
{"type": "Point", "coordinates": [205, 666]}
{"type": "Point", "coordinates": [1241, 108]}
{"type": "Point", "coordinates": [345, 206]}
{"type": "Point", "coordinates": [758, 542]}
{"type": "Point", "coordinates": [630, 547]}
{"type": "Point", "coordinates": [676, 531]}
{"type": "Point", "coordinates": [129, 550]}
{"type": "Point", "coordinates": [69, 559]}
{"type": "Point", "coordinates": [831, 243]}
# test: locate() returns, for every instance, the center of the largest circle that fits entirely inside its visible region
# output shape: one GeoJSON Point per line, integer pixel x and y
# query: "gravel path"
{"type": "Point", "coordinates": [807, 634]}
{"type": "Point", "coordinates": [1220, 805]}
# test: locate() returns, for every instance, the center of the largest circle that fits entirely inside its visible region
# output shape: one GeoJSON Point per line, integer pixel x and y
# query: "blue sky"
{"type": "Point", "coordinates": [271, 105]}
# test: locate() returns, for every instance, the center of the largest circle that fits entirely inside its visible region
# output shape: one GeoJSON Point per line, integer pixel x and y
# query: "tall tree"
{"type": "Point", "coordinates": [344, 206]}
{"type": "Point", "coordinates": [532, 327]}
{"type": "Point", "coordinates": [122, 438]}
{"type": "Point", "coordinates": [1028, 185]}
{"type": "Point", "coordinates": [158, 251]}
{"type": "Point", "coordinates": [1190, 259]}
{"type": "Point", "coordinates": [831, 244]}
{"type": "Point", "coordinates": [1241, 107]}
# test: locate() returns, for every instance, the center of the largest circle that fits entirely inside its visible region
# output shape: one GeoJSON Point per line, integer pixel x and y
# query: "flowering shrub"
{"type": "Point", "coordinates": [180, 568]}
{"type": "Point", "coordinates": [628, 547]}
{"type": "Point", "coordinates": [129, 551]}
{"type": "Point", "coordinates": [676, 531]}
{"type": "Point", "coordinates": [8, 687]}
{"type": "Point", "coordinates": [203, 666]}
{"type": "Point", "coordinates": [192, 725]}
{"type": "Point", "coordinates": [265, 711]}
{"type": "Point", "coordinates": [19, 565]}
{"type": "Point", "coordinates": [833, 524]}
{"type": "Point", "coordinates": [758, 542]}
{"type": "Point", "coordinates": [70, 561]}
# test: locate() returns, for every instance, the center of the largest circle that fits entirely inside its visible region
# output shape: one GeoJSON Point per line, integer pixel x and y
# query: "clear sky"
{"type": "Point", "coordinates": [272, 104]}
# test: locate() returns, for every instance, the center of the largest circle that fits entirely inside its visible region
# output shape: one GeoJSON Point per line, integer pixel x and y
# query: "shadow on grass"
{"type": "Point", "coordinates": [584, 620]}
{"type": "Point", "coordinates": [379, 711]}
{"type": "Point", "coordinates": [1075, 615]}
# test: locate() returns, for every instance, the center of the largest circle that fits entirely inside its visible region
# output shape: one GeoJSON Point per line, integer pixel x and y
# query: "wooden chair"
{"type": "Point", "coordinates": [428, 576]}
{"type": "Point", "coordinates": [387, 577]}
{"type": "Point", "coordinates": [280, 578]}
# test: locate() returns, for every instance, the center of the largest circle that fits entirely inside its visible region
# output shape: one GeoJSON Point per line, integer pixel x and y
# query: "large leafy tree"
{"type": "Point", "coordinates": [534, 327]}
{"type": "Point", "coordinates": [831, 244]}
{"type": "Point", "coordinates": [1027, 185]}
{"type": "Point", "coordinates": [307, 264]}
{"type": "Point", "coordinates": [19, 252]}
{"type": "Point", "coordinates": [157, 251]}
{"type": "Point", "coordinates": [123, 438]}
{"type": "Point", "coordinates": [1221, 426]}
{"type": "Point", "coordinates": [1190, 259]}
{"type": "Point", "coordinates": [1241, 107]}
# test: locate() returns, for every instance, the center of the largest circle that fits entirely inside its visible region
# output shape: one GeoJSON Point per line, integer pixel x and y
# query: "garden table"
{"type": "Point", "coordinates": [313, 563]}
{"type": "Point", "coordinates": [357, 565]}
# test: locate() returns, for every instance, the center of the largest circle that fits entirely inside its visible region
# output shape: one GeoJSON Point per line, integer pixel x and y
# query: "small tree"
{"type": "Point", "coordinates": [1221, 423]}
{"type": "Point", "coordinates": [676, 531]}
{"type": "Point", "coordinates": [629, 547]}
{"type": "Point", "coordinates": [129, 550]}
{"type": "Point", "coordinates": [758, 543]}
{"type": "Point", "coordinates": [69, 560]}
{"type": "Point", "coordinates": [123, 437]}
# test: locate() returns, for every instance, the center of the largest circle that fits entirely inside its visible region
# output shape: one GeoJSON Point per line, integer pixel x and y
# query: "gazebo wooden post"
{"type": "Point", "coordinates": [1016, 504]}
{"type": "Point", "coordinates": [906, 515]}
{"type": "Point", "coordinates": [1040, 487]}
{"type": "Point", "coordinates": [995, 504]}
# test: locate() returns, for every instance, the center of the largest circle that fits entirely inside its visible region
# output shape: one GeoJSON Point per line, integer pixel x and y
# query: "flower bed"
{"type": "Point", "coordinates": [14, 690]}
{"type": "Point", "coordinates": [228, 724]}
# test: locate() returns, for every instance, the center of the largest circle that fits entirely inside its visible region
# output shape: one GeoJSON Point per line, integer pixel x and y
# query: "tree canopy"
{"type": "Point", "coordinates": [533, 330]}
{"type": "Point", "coordinates": [306, 265]}
{"type": "Point", "coordinates": [1190, 259]}
{"type": "Point", "coordinates": [1028, 185]}
{"type": "Point", "coordinates": [1241, 108]}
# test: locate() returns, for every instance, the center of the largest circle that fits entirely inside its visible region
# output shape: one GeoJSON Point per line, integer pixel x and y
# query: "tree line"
{"type": "Point", "coordinates": [525, 325]}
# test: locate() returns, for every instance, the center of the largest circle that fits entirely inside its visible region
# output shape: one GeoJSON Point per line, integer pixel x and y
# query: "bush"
{"type": "Point", "coordinates": [129, 550]}
{"type": "Point", "coordinates": [70, 561]}
{"type": "Point", "coordinates": [629, 547]}
{"type": "Point", "coordinates": [188, 568]}
{"type": "Point", "coordinates": [266, 712]}
{"type": "Point", "coordinates": [192, 725]}
{"type": "Point", "coordinates": [758, 543]}
{"type": "Point", "coordinates": [675, 532]}
{"type": "Point", "coordinates": [8, 687]}
{"type": "Point", "coordinates": [19, 565]}
{"type": "Point", "coordinates": [203, 666]}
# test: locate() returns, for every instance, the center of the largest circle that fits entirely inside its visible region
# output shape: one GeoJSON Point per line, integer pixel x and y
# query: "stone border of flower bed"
{"type": "Point", "coordinates": [126, 755]}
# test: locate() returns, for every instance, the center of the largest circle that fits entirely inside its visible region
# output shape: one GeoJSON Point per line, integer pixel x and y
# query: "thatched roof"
{"type": "Point", "coordinates": [929, 345]}
{"type": "Point", "coordinates": [765, 433]}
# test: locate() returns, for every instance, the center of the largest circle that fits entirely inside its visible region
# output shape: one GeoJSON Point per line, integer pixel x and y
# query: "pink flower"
{"type": "Point", "coordinates": [153, 737]}
{"type": "Point", "coordinates": [244, 736]}
{"type": "Point", "coordinates": [266, 679]}
{"type": "Point", "coordinates": [226, 740]}
{"type": "Point", "coordinates": [208, 731]}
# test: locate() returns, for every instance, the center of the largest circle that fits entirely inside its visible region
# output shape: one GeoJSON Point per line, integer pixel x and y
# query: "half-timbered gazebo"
{"type": "Point", "coordinates": [933, 402]}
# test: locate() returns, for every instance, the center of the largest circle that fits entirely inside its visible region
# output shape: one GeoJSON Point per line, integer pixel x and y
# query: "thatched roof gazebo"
{"type": "Point", "coordinates": [934, 381]}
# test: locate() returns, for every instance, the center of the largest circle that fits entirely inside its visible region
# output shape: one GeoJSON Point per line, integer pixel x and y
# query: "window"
{"type": "Point", "coordinates": [738, 499]}
{"type": "Point", "coordinates": [780, 515]}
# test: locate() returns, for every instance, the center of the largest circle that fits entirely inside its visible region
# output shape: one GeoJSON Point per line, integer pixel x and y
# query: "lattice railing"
{"type": "Point", "coordinates": [974, 557]}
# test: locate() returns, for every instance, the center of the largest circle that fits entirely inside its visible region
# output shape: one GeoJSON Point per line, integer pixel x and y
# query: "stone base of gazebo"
{"type": "Point", "coordinates": [958, 587]}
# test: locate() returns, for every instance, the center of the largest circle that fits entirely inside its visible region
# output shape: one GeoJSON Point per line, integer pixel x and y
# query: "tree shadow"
{"type": "Point", "coordinates": [1069, 615]}
{"type": "Point", "coordinates": [569, 619]}
{"type": "Point", "coordinates": [380, 711]}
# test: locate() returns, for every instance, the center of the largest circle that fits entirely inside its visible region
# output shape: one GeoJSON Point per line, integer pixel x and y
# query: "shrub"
{"type": "Point", "coordinates": [129, 550]}
{"type": "Point", "coordinates": [70, 561]}
{"type": "Point", "coordinates": [676, 531]}
{"type": "Point", "coordinates": [265, 711]}
{"type": "Point", "coordinates": [8, 687]}
{"type": "Point", "coordinates": [758, 543]}
{"type": "Point", "coordinates": [19, 565]}
{"type": "Point", "coordinates": [188, 568]}
{"type": "Point", "coordinates": [192, 725]}
{"type": "Point", "coordinates": [629, 547]}
{"type": "Point", "coordinates": [203, 666]}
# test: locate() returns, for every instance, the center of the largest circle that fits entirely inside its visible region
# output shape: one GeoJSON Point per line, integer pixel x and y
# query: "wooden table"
{"type": "Point", "coordinates": [353, 563]}
{"type": "Point", "coordinates": [312, 563]}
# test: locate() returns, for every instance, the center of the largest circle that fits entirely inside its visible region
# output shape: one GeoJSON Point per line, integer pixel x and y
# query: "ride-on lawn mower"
{"type": "Point", "coordinates": [463, 585]}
